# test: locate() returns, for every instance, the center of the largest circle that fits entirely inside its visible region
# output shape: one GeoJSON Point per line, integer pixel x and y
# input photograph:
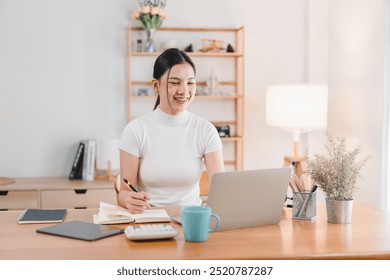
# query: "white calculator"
{"type": "Point", "coordinates": [153, 231]}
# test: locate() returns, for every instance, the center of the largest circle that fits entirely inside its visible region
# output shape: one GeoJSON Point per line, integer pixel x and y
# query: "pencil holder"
{"type": "Point", "coordinates": [304, 205]}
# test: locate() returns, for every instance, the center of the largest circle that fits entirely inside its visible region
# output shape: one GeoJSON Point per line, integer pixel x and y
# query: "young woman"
{"type": "Point", "coordinates": [162, 151]}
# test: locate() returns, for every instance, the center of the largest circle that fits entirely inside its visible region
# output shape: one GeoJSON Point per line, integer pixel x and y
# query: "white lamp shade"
{"type": "Point", "coordinates": [297, 107]}
{"type": "Point", "coordinates": [107, 150]}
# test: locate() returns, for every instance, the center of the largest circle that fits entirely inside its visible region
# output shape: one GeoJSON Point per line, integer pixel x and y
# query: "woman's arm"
{"type": "Point", "coordinates": [133, 201]}
{"type": "Point", "coordinates": [214, 163]}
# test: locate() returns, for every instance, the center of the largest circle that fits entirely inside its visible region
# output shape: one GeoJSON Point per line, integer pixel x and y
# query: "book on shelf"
{"type": "Point", "coordinates": [89, 160]}
{"type": "Point", "coordinates": [113, 214]}
{"type": "Point", "coordinates": [41, 216]}
{"type": "Point", "coordinates": [76, 171]}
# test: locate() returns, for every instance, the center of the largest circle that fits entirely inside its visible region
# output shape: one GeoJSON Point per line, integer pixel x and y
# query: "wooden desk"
{"type": "Point", "coordinates": [367, 237]}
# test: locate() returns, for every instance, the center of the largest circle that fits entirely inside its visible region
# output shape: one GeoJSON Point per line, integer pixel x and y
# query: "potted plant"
{"type": "Point", "coordinates": [336, 173]}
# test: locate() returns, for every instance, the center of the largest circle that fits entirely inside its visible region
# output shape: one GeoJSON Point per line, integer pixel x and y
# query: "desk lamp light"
{"type": "Point", "coordinates": [297, 108]}
{"type": "Point", "coordinates": [107, 158]}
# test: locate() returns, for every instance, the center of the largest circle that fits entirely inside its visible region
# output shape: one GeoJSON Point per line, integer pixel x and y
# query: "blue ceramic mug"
{"type": "Point", "coordinates": [196, 223]}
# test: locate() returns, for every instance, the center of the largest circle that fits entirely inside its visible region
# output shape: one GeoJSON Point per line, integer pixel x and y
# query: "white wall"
{"type": "Point", "coordinates": [63, 70]}
{"type": "Point", "coordinates": [356, 80]}
{"type": "Point", "coordinates": [63, 74]}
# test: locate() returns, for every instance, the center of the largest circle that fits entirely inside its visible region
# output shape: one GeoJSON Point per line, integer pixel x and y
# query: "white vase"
{"type": "Point", "coordinates": [149, 44]}
{"type": "Point", "coordinates": [339, 211]}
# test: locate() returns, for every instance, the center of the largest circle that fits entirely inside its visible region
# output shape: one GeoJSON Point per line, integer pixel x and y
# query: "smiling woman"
{"type": "Point", "coordinates": [174, 79]}
{"type": "Point", "coordinates": [176, 89]}
{"type": "Point", "coordinates": [162, 152]}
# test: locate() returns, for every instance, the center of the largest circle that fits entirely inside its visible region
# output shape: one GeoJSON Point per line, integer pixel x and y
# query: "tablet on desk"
{"type": "Point", "coordinates": [81, 230]}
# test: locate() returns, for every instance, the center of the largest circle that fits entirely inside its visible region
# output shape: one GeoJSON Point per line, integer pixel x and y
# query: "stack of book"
{"type": "Point", "coordinates": [83, 166]}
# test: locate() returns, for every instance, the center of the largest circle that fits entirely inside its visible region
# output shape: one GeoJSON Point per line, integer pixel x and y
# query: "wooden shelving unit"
{"type": "Point", "coordinates": [237, 82]}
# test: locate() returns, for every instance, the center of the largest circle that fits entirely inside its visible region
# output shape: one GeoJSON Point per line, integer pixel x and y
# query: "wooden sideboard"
{"type": "Point", "coordinates": [50, 193]}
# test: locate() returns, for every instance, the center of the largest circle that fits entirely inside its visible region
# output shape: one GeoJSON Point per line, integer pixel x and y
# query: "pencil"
{"type": "Point", "coordinates": [293, 187]}
{"type": "Point", "coordinates": [130, 186]}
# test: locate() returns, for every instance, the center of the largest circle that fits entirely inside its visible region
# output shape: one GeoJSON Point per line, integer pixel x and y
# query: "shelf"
{"type": "Point", "coordinates": [192, 29]}
{"type": "Point", "coordinates": [199, 97]}
{"type": "Point", "coordinates": [233, 138]}
{"type": "Point", "coordinates": [198, 83]}
{"type": "Point", "coordinates": [192, 54]}
{"type": "Point", "coordinates": [224, 123]}
{"type": "Point", "coordinates": [229, 107]}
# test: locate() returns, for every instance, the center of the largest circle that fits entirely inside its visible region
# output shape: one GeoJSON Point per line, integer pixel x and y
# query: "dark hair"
{"type": "Point", "coordinates": [165, 61]}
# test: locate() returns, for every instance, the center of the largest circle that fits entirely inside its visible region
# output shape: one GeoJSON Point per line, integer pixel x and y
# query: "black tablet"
{"type": "Point", "coordinates": [81, 230]}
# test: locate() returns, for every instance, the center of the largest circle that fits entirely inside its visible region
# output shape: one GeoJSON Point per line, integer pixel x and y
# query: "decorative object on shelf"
{"type": "Point", "coordinates": [143, 92]}
{"type": "Point", "coordinates": [212, 85]}
{"type": "Point", "coordinates": [151, 14]}
{"type": "Point", "coordinates": [211, 45]}
{"type": "Point", "coordinates": [189, 48]}
{"type": "Point", "coordinates": [230, 49]}
{"type": "Point", "coordinates": [149, 44]}
{"type": "Point", "coordinates": [139, 45]}
{"type": "Point", "coordinates": [223, 130]}
{"type": "Point", "coordinates": [336, 174]}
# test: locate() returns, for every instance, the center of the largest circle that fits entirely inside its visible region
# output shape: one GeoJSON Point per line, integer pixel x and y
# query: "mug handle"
{"type": "Point", "coordinates": [218, 222]}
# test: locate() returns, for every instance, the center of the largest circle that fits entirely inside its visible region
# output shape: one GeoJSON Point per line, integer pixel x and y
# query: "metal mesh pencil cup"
{"type": "Point", "coordinates": [304, 205]}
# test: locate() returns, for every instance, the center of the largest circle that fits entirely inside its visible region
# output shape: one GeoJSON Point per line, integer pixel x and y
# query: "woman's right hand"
{"type": "Point", "coordinates": [137, 202]}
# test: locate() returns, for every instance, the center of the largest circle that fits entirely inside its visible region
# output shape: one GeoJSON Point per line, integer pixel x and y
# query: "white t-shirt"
{"type": "Point", "coordinates": [170, 149]}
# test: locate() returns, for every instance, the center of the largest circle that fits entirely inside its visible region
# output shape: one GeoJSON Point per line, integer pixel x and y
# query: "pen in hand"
{"type": "Point", "coordinates": [130, 186]}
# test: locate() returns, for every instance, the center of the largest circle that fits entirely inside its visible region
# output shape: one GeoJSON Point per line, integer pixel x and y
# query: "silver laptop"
{"type": "Point", "coordinates": [248, 198]}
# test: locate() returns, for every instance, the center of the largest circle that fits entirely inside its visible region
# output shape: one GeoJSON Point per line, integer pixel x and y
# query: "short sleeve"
{"type": "Point", "coordinates": [212, 140]}
{"type": "Point", "coordinates": [131, 140]}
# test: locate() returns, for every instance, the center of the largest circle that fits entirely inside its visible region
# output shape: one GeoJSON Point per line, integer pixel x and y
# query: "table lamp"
{"type": "Point", "coordinates": [297, 108]}
{"type": "Point", "coordinates": [4, 116]}
{"type": "Point", "coordinates": [107, 158]}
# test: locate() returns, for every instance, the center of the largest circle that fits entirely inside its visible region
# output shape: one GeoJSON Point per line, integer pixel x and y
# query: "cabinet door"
{"type": "Point", "coordinates": [18, 200]}
{"type": "Point", "coordinates": [77, 198]}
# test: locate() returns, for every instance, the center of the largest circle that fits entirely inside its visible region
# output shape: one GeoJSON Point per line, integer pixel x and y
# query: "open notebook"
{"type": "Point", "coordinates": [113, 214]}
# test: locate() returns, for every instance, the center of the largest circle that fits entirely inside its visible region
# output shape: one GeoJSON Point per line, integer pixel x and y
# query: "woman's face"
{"type": "Point", "coordinates": [176, 90]}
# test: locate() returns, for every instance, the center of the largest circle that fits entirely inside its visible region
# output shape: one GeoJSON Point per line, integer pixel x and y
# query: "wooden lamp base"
{"type": "Point", "coordinates": [108, 176]}
{"type": "Point", "coordinates": [296, 160]}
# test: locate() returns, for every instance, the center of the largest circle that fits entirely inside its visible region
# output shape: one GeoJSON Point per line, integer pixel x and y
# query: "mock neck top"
{"type": "Point", "coordinates": [168, 119]}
